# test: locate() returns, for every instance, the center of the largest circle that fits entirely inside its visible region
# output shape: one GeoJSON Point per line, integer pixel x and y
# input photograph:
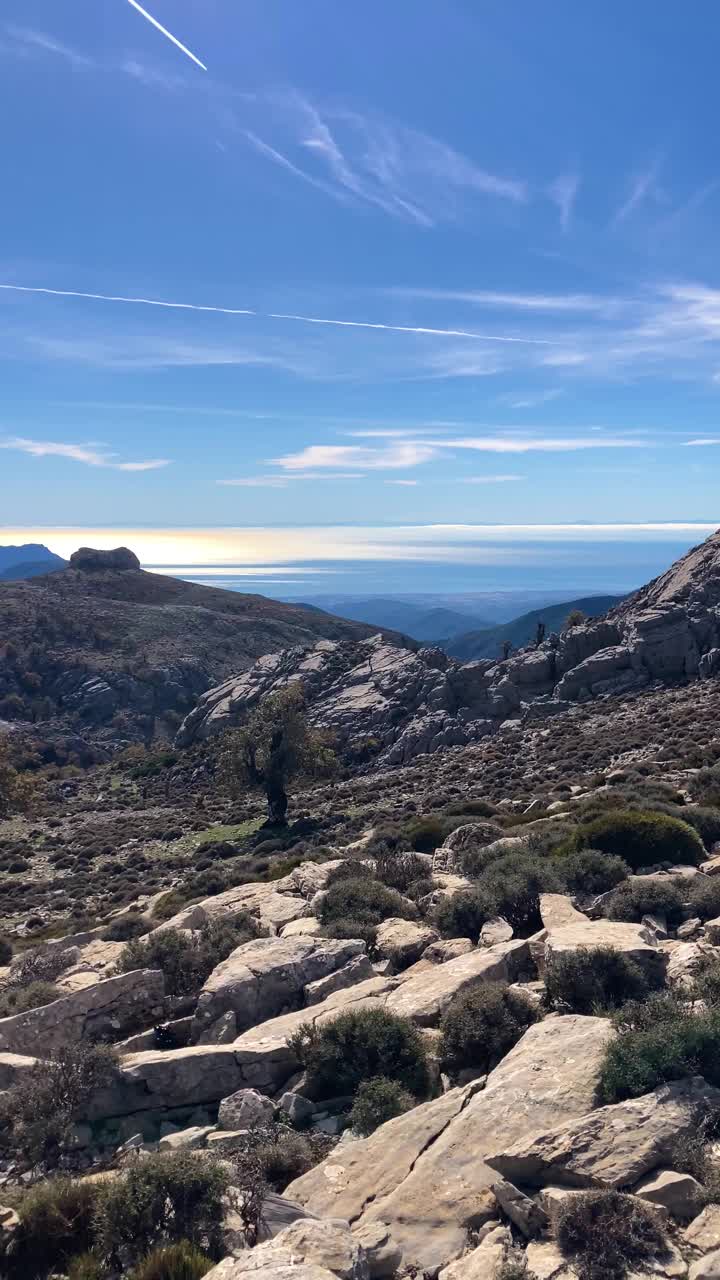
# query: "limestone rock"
{"type": "Point", "coordinates": [679, 1193]}
{"type": "Point", "coordinates": [245, 1109]}
{"type": "Point", "coordinates": [403, 941]}
{"type": "Point", "coordinates": [268, 976]}
{"type": "Point", "coordinates": [309, 1249]}
{"type": "Point", "coordinates": [613, 1146]}
{"type": "Point", "coordinates": [466, 839]}
{"type": "Point", "coordinates": [382, 1254]}
{"type": "Point", "coordinates": [527, 1216]}
{"type": "Point", "coordinates": [103, 1010]}
{"type": "Point", "coordinates": [494, 931]}
{"type": "Point", "coordinates": [704, 1231]}
{"type": "Point", "coordinates": [358, 969]}
{"type": "Point", "coordinates": [631, 940]}
{"type": "Point", "coordinates": [424, 1174]}
{"type": "Point", "coordinates": [447, 949]}
{"type": "Point", "coordinates": [485, 1262]}
{"type": "Point", "coordinates": [707, 1268]}
{"type": "Point", "coordinates": [545, 1261]}
{"type": "Point", "coordinates": [557, 910]}
{"type": "Point", "coordinates": [425, 996]}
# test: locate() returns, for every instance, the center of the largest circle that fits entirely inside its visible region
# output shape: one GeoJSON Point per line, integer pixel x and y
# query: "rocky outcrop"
{"type": "Point", "coordinates": [424, 1174]}
{"type": "Point", "coordinates": [89, 559]}
{"type": "Point", "coordinates": [387, 705]}
{"type": "Point", "coordinates": [101, 1011]}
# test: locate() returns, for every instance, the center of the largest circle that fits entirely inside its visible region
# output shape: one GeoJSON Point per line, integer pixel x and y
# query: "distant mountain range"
{"type": "Point", "coordinates": [28, 561]}
{"type": "Point", "coordinates": [488, 642]}
{"type": "Point", "coordinates": [424, 622]}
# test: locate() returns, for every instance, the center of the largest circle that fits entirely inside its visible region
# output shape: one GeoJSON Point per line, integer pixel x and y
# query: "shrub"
{"type": "Point", "coordinates": [642, 839]}
{"type": "Point", "coordinates": [481, 1026]}
{"type": "Point", "coordinates": [643, 896]}
{"type": "Point", "coordinates": [400, 870]}
{"type": "Point", "coordinates": [474, 861]}
{"type": "Point", "coordinates": [38, 1113]}
{"type": "Point", "coordinates": [350, 869]}
{"type": "Point", "coordinates": [705, 786]}
{"type": "Point", "coordinates": [376, 1101]}
{"type": "Point", "coordinates": [187, 959]}
{"type": "Point", "coordinates": [704, 897]}
{"type": "Point", "coordinates": [181, 1261]}
{"type": "Point", "coordinates": [462, 915]}
{"type": "Point", "coordinates": [360, 1045]}
{"type": "Point", "coordinates": [86, 1267]}
{"type": "Point", "coordinates": [280, 1154]}
{"type": "Point", "coordinates": [593, 979]}
{"type": "Point", "coordinates": [706, 822]}
{"type": "Point", "coordinates": [55, 1224]}
{"type": "Point", "coordinates": [366, 901]}
{"type": "Point", "coordinates": [354, 929]}
{"type": "Point", "coordinates": [160, 1200]}
{"type": "Point", "coordinates": [592, 872]}
{"type": "Point", "coordinates": [605, 1233]}
{"type": "Point", "coordinates": [6, 951]}
{"type": "Point", "coordinates": [130, 925]}
{"type": "Point", "coordinates": [508, 887]}
{"type": "Point", "coordinates": [21, 999]}
{"type": "Point", "coordinates": [659, 1040]}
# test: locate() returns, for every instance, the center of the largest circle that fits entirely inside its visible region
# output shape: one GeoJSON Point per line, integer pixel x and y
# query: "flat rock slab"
{"type": "Point", "coordinates": [557, 910]}
{"type": "Point", "coordinates": [424, 1173]}
{"type": "Point", "coordinates": [632, 940]}
{"type": "Point", "coordinates": [101, 1011]}
{"type": "Point", "coordinates": [424, 997]}
{"type": "Point", "coordinates": [268, 976]}
{"type": "Point", "coordinates": [613, 1146]}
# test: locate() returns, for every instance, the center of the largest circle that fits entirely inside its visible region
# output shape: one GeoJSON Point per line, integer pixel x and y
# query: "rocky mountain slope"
{"type": "Point", "coordinates": [488, 642]}
{"type": "Point", "coordinates": [28, 561]}
{"type": "Point", "coordinates": [390, 704]}
{"type": "Point", "coordinates": [109, 649]}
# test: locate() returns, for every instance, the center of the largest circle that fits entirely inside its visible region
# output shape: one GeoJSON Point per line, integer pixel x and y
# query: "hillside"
{"type": "Point", "coordinates": [28, 561]}
{"type": "Point", "coordinates": [428, 624]}
{"type": "Point", "coordinates": [109, 647]}
{"type": "Point", "coordinates": [488, 642]}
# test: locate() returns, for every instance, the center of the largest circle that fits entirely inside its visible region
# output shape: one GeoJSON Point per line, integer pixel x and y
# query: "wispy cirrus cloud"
{"type": "Point", "coordinates": [550, 302]}
{"type": "Point", "coordinates": [643, 186]}
{"type": "Point", "coordinates": [26, 41]}
{"type": "Point", "coordinates": [499, 479]}
{"type": "Point", "coordinates": [283, 480]}
{"type": "Point", "coordinates": [90, 455]}
{"type": "Point", "coordinates": [392, 456]}
{"type": "Point", "coordinates": [563, 193]}
{"type": "Point", "coordinates": [530, 400]}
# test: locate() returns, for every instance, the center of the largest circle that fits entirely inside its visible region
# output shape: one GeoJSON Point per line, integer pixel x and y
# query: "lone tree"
{"type": "Point", "coordinates": [14, 788]}
{"type": "Point", "coordinates": [275, 745]}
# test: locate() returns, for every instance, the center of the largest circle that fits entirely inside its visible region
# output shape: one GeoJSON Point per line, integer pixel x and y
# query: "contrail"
{"type": "Point", "coordinates": [167, 33]}
{"type": "Point", "coordinates": [277, 315]}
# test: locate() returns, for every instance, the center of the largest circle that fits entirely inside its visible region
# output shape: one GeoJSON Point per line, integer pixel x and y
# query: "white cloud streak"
{"type": "Point", "coordinates": [29, 39]}
{"type": "Point", "coordinates": [550, 302]}
{"type": "Point", "coordinates": [641, 186]}
{"type": "Point", "coordinates": [168, 34]}
{"type": "Point", "coordinates": [88, 455]}
{"type": "Point", "coordinates": [563, 192]}
{"type": "Point", "coordinates": [501, 479]}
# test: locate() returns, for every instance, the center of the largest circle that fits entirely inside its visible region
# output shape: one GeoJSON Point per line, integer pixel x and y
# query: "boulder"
{"type": "Point", "coordinates": [424, 1174]}
{"type": "Point", "coordinates": [359, 969]}
{"type": "Point", "coordinates": [684, 960]}
{"type": "Point", "coordinates": [424, 997]}
{"type": "Point", "coordinates": [101, 1011]}
{"type": "Point", "coordinates": [447, 949]}
{"type": "Point", "coordinates": [527, 1216]}
{"type": "Point", "coordinates": [466, 839]}
{"type": "Point", "coordinates": [309, 1249]}
{"type": "Point", "coordinates": [703, 1233]}
{"type": "Point", "coordinates": [91, 560]}
{"type": "Point", "coordinates": [545, 1261]}
{"type": "Point", "coordinates": [270, 904]}
{"type": "Point", "coordinates": [557, 910]}
{"type": "Point", "coordinates": [613, 1146]}
{"type": "Point", "coordinates": [707, 1268]}
{"type": "Point", "coordinates": [679, 1193]}
{"type": "Point", "coordinates": [631, 940]}
{"type": "Point", "coordinates": [268, 976]}
{"type": "Point", "coordinates": [402, 942]}
{"type": "Point", "coordinates": [245, 1109]}
{"type": "Point", "coordinates": [382, 1254]}
{"type": "Point", "coordinates": [13, 1066]}
{"type": "Point", "coordinates": [494, 931]}
{"type": "Point", "coordinates": [157, 1080]}
{"type": "Point", "coordinates": [483, 1263]}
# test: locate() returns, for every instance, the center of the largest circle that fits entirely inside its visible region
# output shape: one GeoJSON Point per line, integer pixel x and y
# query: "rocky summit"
{"type": "Point", "coordinates": [456, 1018]}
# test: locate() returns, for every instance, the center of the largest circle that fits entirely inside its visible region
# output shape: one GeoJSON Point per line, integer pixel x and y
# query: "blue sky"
{"type": "Point", "coordinates": [440, 263]}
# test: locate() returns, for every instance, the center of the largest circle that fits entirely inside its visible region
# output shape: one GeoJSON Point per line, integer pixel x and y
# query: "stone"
{"type": "Point", "coordinates": [299, 1109]}
{"type": "Point", "coordinates": [425, 996]}
{"type": "Point", "coordinates": [552, 1199]}
{"type": "Point", "coordinates": [447, 949]}
{"type": "Point", "coordinates": [359, 969]}
{"type": "Point", "coordinates": [402, 942]}
{"type": "Point", "coordinates": [91, 560]}
{"type": "Point", "coordinates": [613, 1146]}
{"type": "Point", "coordinates": [689, 928]}
{"type": "Point", "coordinates": [707, 1268]}
{"type": "Point", "coordinates": [469, 838]}
{"type": "Point", "coordinates": [13, 1066]}
{"type": "Point", "coordinates": [305, 927]}
{"type": "Point", "coordinates": [381, 1253]}
{"type": "Point", "coordinates": [556, 910]}
{"type": "Point", "coordinates": [494, 931]}
{"type": "Point", "coordinates": [545, 1261]}
{"type": "Point", "coordinates": [245, 1109]}
{"type": "Point", "coordinates": [483, 1263]}
{"type": "Point", "coordinates": [711, 866]}
{"type": "Point", "coordinates": [712, 931]}
{"type": "Point", "coordinates": [527, 1216]}
{"type": "Point", "coordinates": [101, 1011]}
{"type": "Point", "coordinates": [631, 940]}
{"type": "Point", "coordinates": [222, 1031]}
{"type": "Point", "coordinates": [308, 1249]}
{"type": "Point", "coordinates": [268, 976]}
{"type": "Point", "coordinates": [704, 1231]}
{"type": "Point", "coordinates": [278, 1213]}
{"type": "Point", "coordinates": [679, 1193]}
{"type": "Point", "coordinates": [424, 1174]}
{"type": "Point", "coordinates": [185, 1139]}
{"type": "Point", "coordinates": [684, 961]}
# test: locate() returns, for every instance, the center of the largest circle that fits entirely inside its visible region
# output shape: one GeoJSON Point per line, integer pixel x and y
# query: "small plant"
{"type": "Point", "coordinates": [594, 979]}
{"type": "Point", "coordinates": [510, 886]}
{"type": "Point", "coordinates": [130, 925]}
{"type": "Point", "coordinates": [400, 870]}
{"type": "Point", "coordinates": [277, 1155]}
{"type": "Point", "coordinates": [605, 1234]}
{"type": "Point", "coordinates": [704, 897]}
{"type": "Point", "coordinates": [181, 1261]}
{"type": "Point", "coordinates": [56, 1223]}
{"type": "Point", "coordinates": [659, 1040]}
{"type": "Point", "coordinates": [481, 1026]}
{"type": "Point", "coordinates": [642, 839]}
{"type": "Point", "coordinates": [87, 1266]}
{"type": "Point", "coordinates": [377, 1101]}
{"type": "Point", "coordinates": [360, 1045]}
{"type": "Point", "coordinates": [21, 999]}
{"type": "Point", "coordinates": [186, 959]}
{"type": "Point", "coordinates": [644, 895]}
{"type": "Point", "coordinates": [161, 1200]}
{"type": "Point", "coordinates": [592, 872]}
{"type": "Point", "coordinates": [366, 901]}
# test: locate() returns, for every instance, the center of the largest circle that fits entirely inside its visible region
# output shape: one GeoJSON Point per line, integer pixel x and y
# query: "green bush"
{"type": "Point", "coordinates": [660, 1040]}
{"type": "Point", "coordinates": [87, 1266]}
{"type": "Point", "coordinates": [161, 1200]}
{"type": "Point", "coordinates": [6, 951]}
{"type": "Point", "coordinates": [282, 1155]}
{"type": "Point", "coordinates": [594, 979]}
{"type": "Point", "coordinates": [705, 786]}
{"type": "Point", "coordinates": [181, 1261]}
{"type": "Point", "coordinates": [400, 870]}
{"type": "Point", "coordinates": [56, 1223]}
{"type": "Point", "coordinates": [605, 1234]}
{"type": "Point", "coordinates": [642, 839]}
{"type": "Point", "coordinates": [366, 901]}
{"type": "Point", "coordinates": [592, 872]}
{"type": "Point", "coordinates": [377, 1101]}
{"type": "Point", "coordinates": [462, 915]}
{"type": "Point", "coordinates": [354, 929]}
{"type": "Point", "coordinates": [350, 869]}
{"type": "Point", "coordinates": [360, 1045]}
{"type": "Point", "coordinates": [704, 897]}
{"type": "Point", "coordinates": [130, 925]}
{"type": "Point", "coordinates": [473, 862]}
{"type": "Point", "coordinates": [706, 822]}
{"type": "Point", "coordinates": [38, 1113]}
{"type": "Point", "coordinates": [187, 959]}
{"type": "Point", "coordinates": [481, 1026]}
{"type": "Point", "coordinates": [644, 895]}
{"type": "Point", "coordinates": [508, 887]}
{"type": "Point", "coordinates": [21, 999]}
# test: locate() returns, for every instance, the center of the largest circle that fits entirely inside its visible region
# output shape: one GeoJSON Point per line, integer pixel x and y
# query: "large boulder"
{"type": "Point", "coordinates": [424, 1174]}
{"type": "Point", "coordinates": [425, 996]}
{"type": "Point", "coordinates": [309, 1249]}
{"type": "Point", "coordinates": [90, 559]}
{"type": "Point", "coordinates": [466, 839]}
{"type": "Point", "coordinates": [613, 1146]}
{"type": "Point", "coordinates": [634, 941]}
{"type": "Point", "coordinates": [402, 942]}
{"type": "Point", "coordinates": [268, 976]}
{"type": "Point", "coordinates": [483, 1263]}
{"type": "Point", "coordinates": [102, 1011]}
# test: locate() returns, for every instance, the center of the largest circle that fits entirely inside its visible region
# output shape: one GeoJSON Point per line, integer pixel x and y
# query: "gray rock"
{"type": "Point", "coordinates": [299, 1109]}
{"type": "Point", "coordinates": [101, 1011]}
{"type": "Point", "coordinates": [679, 1193]}
{"type": "Point", "coordinates": [403, 941]}
{"type": "Point", "coordinates": [358, 969]}
{"type": "Point", "coordinates": [483, 1263]}
{"type": "Point", "coordinates": [424, 997]}
{"type": "Point", "coordinates": [704, 1231]}
{"type": "Point", "coordinates": [245, 1109]}
{"type": "Point", "coordinates": [382, 1254]}
{"type": "Point", "coordinates": [494, 931]}
{"type": "Point", "coordinates": [185, 1139]}
{"type": "Point", "coordinates": [527, 1216]}
{"type": "Point", "coordinates": [707, 1268]}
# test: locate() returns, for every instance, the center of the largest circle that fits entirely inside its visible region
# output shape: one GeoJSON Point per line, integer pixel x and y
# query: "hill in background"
{"type": "Point", "coordinates": [488, 643]}
{"type": "Point", "coordinates": [28, 561]}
